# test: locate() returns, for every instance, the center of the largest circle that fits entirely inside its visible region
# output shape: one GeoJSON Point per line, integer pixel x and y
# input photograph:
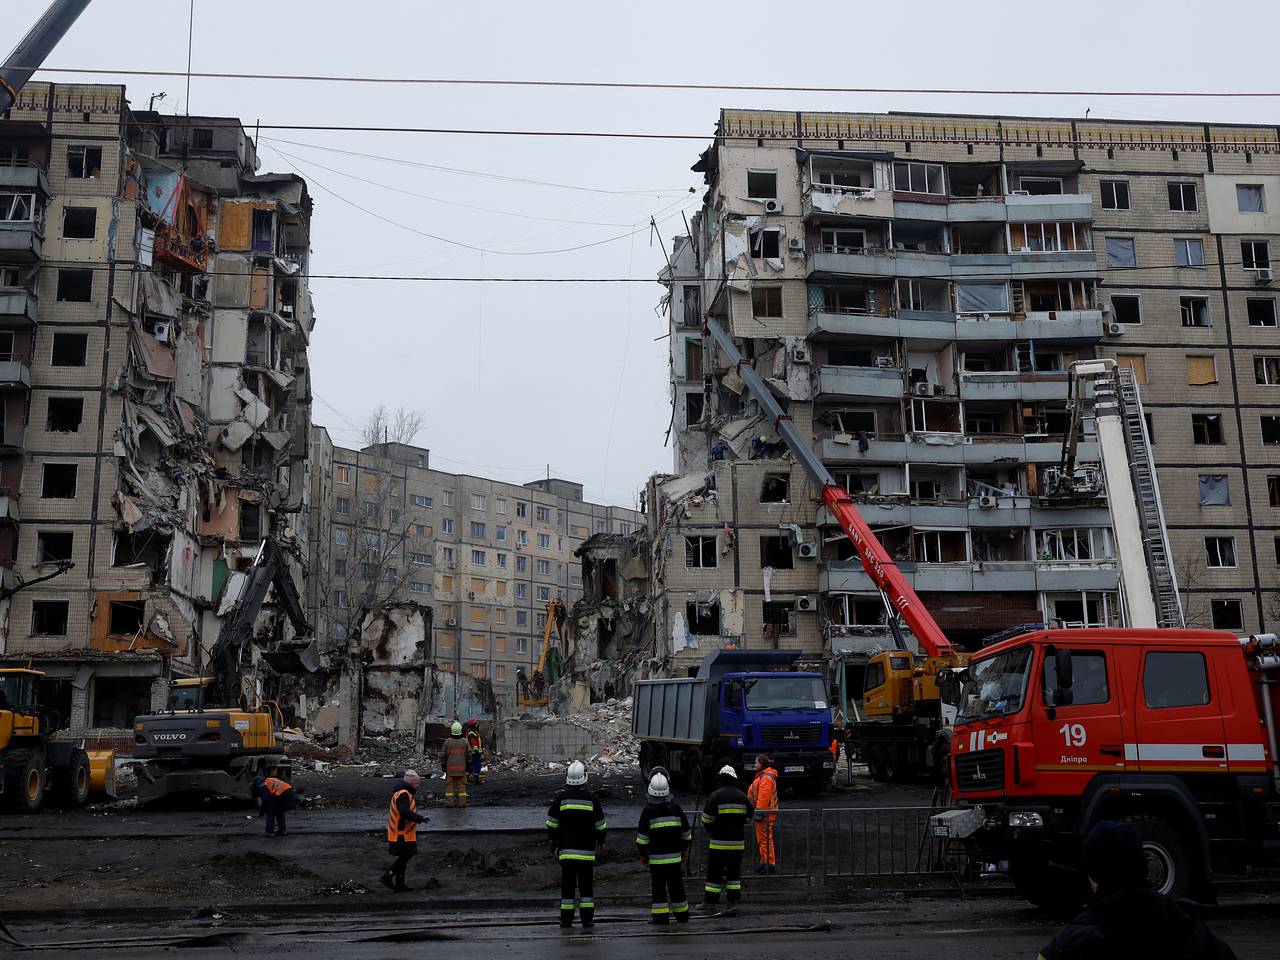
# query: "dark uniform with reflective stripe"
{"type": "Point", "coordinates": [576, 828]}
{"type": "Point", "coordinates": [663, 838]}
{"type": "Point", "coordinates": [725, 817]}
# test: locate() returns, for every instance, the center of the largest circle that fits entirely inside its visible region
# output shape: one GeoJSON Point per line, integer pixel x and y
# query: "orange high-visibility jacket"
{"type": "Point", "coordinates": [763, 792]}
{"type": "Point", "coordinates": [402, 828]}
{"type": "Point", "coordinates": [453, 758]}
{"type": "Point", "coordinates": [275, 786]}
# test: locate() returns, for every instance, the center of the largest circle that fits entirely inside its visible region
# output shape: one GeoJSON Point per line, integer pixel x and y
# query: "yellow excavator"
{"type": "Point", "coordinates": [34, 767]}
{"type": "Point", "coordinates": [532, 691]}
{"type": "Point", "coordinates": [217, 736]}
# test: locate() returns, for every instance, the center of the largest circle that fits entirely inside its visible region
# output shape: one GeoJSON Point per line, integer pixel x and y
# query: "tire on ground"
{"type": "Point", "coordinates": [1171, 867]}
{"type": "Point", "coordinates": [24, 783]}
{"type": "Point", "coordinates": [71, 783]}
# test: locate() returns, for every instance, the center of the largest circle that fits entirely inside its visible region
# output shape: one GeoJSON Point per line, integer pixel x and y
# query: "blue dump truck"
{"type": "Point", "coordinates": [740, 703]}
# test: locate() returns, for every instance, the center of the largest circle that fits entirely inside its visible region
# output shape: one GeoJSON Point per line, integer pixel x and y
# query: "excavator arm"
{"type": "Point", "coordinates": [901, 601]}
{"type": "Point", "coordinates": [269, 569]}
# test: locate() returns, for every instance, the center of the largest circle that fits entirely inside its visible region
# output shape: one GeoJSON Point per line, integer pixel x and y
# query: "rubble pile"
{"type": "Point", "coordinates": [610, 726]}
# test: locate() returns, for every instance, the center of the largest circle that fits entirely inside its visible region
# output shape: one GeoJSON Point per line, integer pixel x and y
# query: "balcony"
{"type": "Point", "coordinates": [879, 382]}
{"type": "Point", "coordinates": [21, 241]}
{"type": "Point", "coordinates": [17, 307]}
{"type": "Point", "coordinates": [12, 437]}
{"type": "Point", "coordinates": [9, 509]}
{"type": "Point", "coordinates": [846, 201]}
{"type": "Point", "coordinates": [1051, 206]}
{"type": "Point", "coordinates": [15, 374]}
{"type": "Point", "coordinates": [847, 576]}
{"type": "Point", "coordinates": [24, 177]}
{"type": "Point", "coordinates": [1063, 325]}
{"type": "Point", "coordinates": [1010, 385]}
{"type": "Point", "coordinates": [1076, 575]}
{"type": "Point", "coordinates": [184, 254]}
{"type": "Point", "coordinates": [1067, 264]}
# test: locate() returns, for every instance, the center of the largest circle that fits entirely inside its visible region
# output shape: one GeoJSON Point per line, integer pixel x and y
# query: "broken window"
{"type": "Point", "coordinates": [762, 184]}
{"type": "Point", "coordinates": [79, 223]}
{"type": "Point", "coordinates": [1270, 429]}
{"type": "Point", "coordinates": [911, 177]}
{"type": "Point", "coordinates": [781, 616]}
{"type": "Point", "coordinates": [775, 488]}
{"type": "Point", "coordinates": [766, 301]}
{"type": "Point", "coordinates": [19, 208]}
{"type": "Point", "coordinates": [1194, 310]}
{"type": "Point", "coordinates": [703, 617]}
{"type": "Point", "coordinates": [836, 240]}
{"type": "Point", "coordinates": [58, 481]}
{"type": "Point", "coordinates": [75, 286]}
{"type": "Point", "coordinates": [1266, 370]}
{"type": "Point", "coordinates": [1227, 614]}
{"type": "Point", "coordinates": [1201, 370]}
{"type": "Point", "coordinates": [1214, 491]}
{"type": "Point", "coordinates": [776, 552]}
{"type": "Point", "coordinates": [68, 349]}
{"type": "Point", "coordinates": [1126, 308]}
{"type": "Point", "coordinates": [1249, 198]}
{"type": "Point", "coordinates": [1273, 489]}
{"type": "Point", "coordinates": [1121, 252]}
{"type": "Point", "coordinates": [49, 617]}
{"type": "Point", "coordinates": [250, 520]}
{"type": "Point", "coordinates": [1188, 253]}
{"type": "Point", "coordinates": [693, 406]}
{"type": "Point", "coordinates": [941, 546]}
{"type": "Point", "coordinates": [1041, 186]}
{"type": "Point", "coordinates": [692, 359]}
{"type": "Point", "coordinates": [84, 162]}
{"type": "Point", "coordinates": [54, 546]}
{"type": "Point", "coordinates": [263, 232]}
{"type": "Point", "coordinates": [1074, 544]}
{"type": "Point", "coordinates": [692, 306]}
{"type": "Point", "coordinates": [117, 700]}
{"type": "Point", "coordinates": [982, 297]}
{"type": "Point", "coordinates": [700, 552]}
{"type": "Point", "coordinates": [1115, 194]}
{"type": "Point", "coordinates": [846, 300]}
{"type": "Point", "coordinates": [766, 244]}
{"type": "Point", "coordinates": [999, 545]}
{"type": "Point", "coordinates": [201, 138]}
{"type": "Point", "coordinates": [1220, 552]}
{"type": "Point", "coordinates": [1262, 311]}
{"type": "Point", "coordinates": [1255, 254]}
{"type": "Point", "coordinates": [1182, 198]}
{"type": "Point", "coordinates": [852, 357]}
{"type": "Point", "coordinates": [1206, 428]}
{"type": "Point", "coordinates": [64, 414]}
{"type": "Point", "coordinates": [127, 617]}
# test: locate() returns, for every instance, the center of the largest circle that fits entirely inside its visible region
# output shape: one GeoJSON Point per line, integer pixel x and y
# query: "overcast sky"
{"type": "Point", "coordinates": [512, 377]}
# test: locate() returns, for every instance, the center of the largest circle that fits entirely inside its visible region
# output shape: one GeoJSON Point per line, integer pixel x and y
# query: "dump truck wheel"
{"type": "Point", "coordinates": [694, 776]}
{"type": "Point", "coordinates": [71, 783]}
{"type": "Point", "coordinates": [24, 780]}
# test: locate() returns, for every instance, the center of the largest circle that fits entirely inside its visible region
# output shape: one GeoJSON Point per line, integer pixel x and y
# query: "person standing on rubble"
{"type": "Point", "coordinates": [453, 761]}
{"type": "Point", "coordinates": [475, 752]}
{"type": "Point", "coordinates": [663, 837]}
{"type": "Point", "coordinates": [725, 817]}
{"type": "Point", "coordinates": [576, 829]}
{"type": "Point", "coordinates": [402, 831]}
{"type": "Point", "coordinates": [763, 794]}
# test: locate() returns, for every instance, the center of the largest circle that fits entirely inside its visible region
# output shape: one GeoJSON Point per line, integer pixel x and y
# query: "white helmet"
{"type": "Point", "coordinates": [728, 771]}
{"type": "Point", "coordinates": [576, 775]}
{"type": "Point", "coordinates": [658, 787]}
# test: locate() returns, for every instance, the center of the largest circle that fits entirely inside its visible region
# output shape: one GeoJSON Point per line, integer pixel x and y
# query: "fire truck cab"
{"type": "Point", "coordinates": [1060, 729]}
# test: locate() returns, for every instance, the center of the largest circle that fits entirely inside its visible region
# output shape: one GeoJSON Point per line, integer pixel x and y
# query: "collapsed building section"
{"type": "Point", "coordinates": [168, 406]}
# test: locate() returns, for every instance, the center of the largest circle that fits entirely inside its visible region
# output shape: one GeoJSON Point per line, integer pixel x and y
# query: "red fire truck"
{"type": "Point", "coordinates": [1172, 729]}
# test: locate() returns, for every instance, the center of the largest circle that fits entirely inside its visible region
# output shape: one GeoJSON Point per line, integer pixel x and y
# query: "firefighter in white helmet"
{"type": "Point", "coordinates": [725, 817]}
{"type": "Point", "coordinates": [575, 828]}
{"type": "Point", "coordinates": [663, 838]}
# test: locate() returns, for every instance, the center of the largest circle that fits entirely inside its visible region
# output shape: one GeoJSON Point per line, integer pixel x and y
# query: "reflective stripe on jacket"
{"type": "Point", "coordinates": [474, 743]}
{"type": "Point", "coordinates": [663, 834]}
{"type": "Point", "coordinates": [453, 758]}
{"type": "Point", "coordinates": [275, 786]}
{"type": "Point", "coordinates": [763, 792]}
{"type": "Point", "coordinates": [398, 827]}
{"type": "Point", "coordinates": [725, 816]}
{"type": "Point", "coordinates": [575, 824]}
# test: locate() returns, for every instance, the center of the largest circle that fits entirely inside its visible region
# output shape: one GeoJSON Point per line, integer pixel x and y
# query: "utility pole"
{"type": "Point", "coordinates": [32, 49]}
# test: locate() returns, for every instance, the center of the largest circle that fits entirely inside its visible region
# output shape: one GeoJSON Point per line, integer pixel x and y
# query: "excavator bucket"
{"type": "Point", "coordinates": [300, 656]}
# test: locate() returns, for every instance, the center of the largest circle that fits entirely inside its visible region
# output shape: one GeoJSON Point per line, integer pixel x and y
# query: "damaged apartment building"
{"type": "Point", "coordinates": [914, 290]}
{"type": "Point", "coordinates": [155, 315]}
{"type": "Point", "coordinates": [480, 560]}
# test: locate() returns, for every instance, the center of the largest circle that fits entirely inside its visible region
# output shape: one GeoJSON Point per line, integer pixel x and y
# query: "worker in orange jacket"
{"type": "Point", "coordinates": [453, 761]}
{"type": "Point", "coordinates": [763, 794]}
{"type": "Point", "coordinates": [275, 798]}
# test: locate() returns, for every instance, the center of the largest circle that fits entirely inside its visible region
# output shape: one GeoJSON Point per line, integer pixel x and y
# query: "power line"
{"type": "Point", "coordinates": [651, 85]}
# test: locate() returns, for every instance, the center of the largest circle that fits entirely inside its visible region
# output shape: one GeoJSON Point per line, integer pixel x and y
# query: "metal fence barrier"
{"type": "Point", "coordinates": [792, 844]}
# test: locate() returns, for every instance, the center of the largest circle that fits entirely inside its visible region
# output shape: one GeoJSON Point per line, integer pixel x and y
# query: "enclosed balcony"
{"type": "Point", "coordinates": [21, 227]}
{"type": "Point", "coordinates": [17, 307]}
{"type": "Point", "coordinates": [846, 186]}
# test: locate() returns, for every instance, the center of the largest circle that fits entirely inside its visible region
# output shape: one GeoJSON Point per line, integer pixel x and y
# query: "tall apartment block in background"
{"type": "Point", "coordinates": [915, 289]}
{"type": "Point", "coordinates": [154, 322]}
{"type": "Point", "coordinates": [486, 556]}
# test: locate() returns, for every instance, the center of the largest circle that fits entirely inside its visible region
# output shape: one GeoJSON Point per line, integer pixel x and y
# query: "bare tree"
{"type": "Point", "coordinates": [1195, 604]}
{"type": "Point", "coordinates": [401, 425]}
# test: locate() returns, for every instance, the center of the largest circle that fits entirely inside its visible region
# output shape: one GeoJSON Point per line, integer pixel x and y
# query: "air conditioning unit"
{"type": "Point", "coordinates": [1115, 329]}
{"type": "Point", "coordinates": [773, 206]}
{"type": "Point", "coordinates": [922, 389]}
{"type": "Point", "coordinates": [1263, 275]}
{"type": "Point", "coordinates": [800, 355]}
{"type": "Point", "coordinates": [451, 622]}
{"type": "Point", "coordinates": [795, 244]}
{"type": "Point", "coordinates": [158, 329]}
{"type": "Point", "coordinates": [808, 551]}
{"type": "Point", "coordinates": [986, 501]}
{"type": "Point", "coordinates": [286, 311]}
{"type": "Point", "coordinates": [939, 389]}
{"type": "Point", "coordinates": [805, 603]}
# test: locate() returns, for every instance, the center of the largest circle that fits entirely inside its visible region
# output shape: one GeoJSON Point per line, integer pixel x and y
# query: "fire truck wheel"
{"type": "Point", "coordinates": [1169, 863]}
{"type": "Point", "coordinates": [1060, 892]}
